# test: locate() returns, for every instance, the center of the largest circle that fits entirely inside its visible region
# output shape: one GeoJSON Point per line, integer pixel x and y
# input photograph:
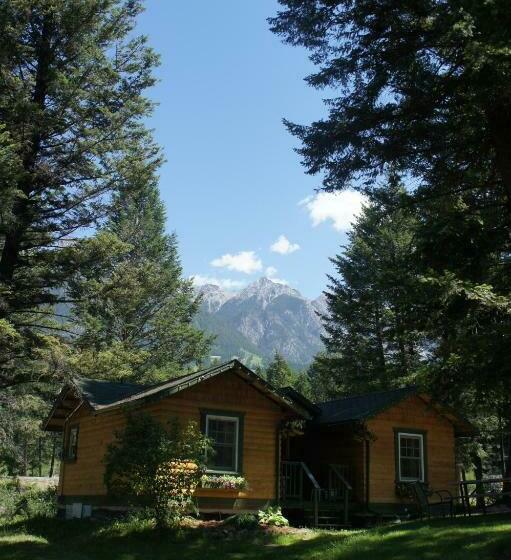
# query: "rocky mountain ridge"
{"type": "Point", "coordinates": [263, 317]}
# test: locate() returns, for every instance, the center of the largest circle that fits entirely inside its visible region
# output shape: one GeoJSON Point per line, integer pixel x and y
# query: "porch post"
{"type": "Point", "coordinates": [316, 507]}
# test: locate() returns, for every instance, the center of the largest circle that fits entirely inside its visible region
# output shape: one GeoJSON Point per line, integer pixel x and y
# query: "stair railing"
{"type": "Point", "coordinates": [339, 486]}
{"type": "Point", "coordinates": [292, 485]}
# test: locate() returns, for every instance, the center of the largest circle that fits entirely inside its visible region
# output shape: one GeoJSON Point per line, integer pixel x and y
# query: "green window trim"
{"type": "Point", "coordinates": [424, 455]}
{"type": "Point", "coordinates": [231, 415]}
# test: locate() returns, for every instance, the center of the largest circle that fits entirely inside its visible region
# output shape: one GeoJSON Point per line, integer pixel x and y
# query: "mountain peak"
{"type": "Point", "coordinates": [213, 297]}
{"type": "Point", "coordinates": [265, 290]}
{"type": "Point", "coordinates": [263, 317]}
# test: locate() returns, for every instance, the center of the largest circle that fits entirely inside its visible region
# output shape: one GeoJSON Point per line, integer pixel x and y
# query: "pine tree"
{"type": "Point", "coordinates": [72, 107]}
{"type": "Point", "coordinates": [423, 89]}
{"type": "Point", "coordinates": [24, 449]}
{"type": "Point", "coordinates": [421, 86]}
{"type": "Point", "coordinates": [278, 372]}
{"type": "Point", "coordinates": [133, 309]}
{"type": "Point", "coordinates": [373, 337]}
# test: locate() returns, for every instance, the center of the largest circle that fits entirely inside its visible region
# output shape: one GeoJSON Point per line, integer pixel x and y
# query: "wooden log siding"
{"type": "Point", "coordinates": [414, 414]}
{"type": "Point", "coordinates": [225, 392]}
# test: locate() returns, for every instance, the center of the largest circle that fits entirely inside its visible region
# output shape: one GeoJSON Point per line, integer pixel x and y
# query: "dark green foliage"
{"type": "Point", "coordinates": [422, 86]}
{"type": "Point", "coordinates": [25, 450]}
{"type": "Point", "coordinates": [272, 516]}
{"type": "Point", "coordinates": [27, 501]}
{"type": "Point", "coordinates": [421, 89]}
{"type": "Point", "coordinates": [133, 459]}
{"type": "Point", "coordinates": [242, 521]}
{"type": "Point", "coordinates": [72, 107]}
{"type": "Point", "coordinates": [373, 336]}
{"type": "Point", "coordinates": [133, 309]}
{"type": "Point", "coordinates": [278, 372]}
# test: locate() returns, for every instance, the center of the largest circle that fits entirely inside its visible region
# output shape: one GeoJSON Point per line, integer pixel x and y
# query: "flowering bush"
{"type": "Point", "coordinates": [173, 487]}
{"type": "Point", "coordinates": [224, 481]}
{"type": "Point", "coordinates": [159, 466]}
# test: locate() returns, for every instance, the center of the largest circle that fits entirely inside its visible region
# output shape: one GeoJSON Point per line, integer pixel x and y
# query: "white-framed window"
{"type": "Point", "coordinates": [410, 463]}
{"type": "Point", "coordinates": [224, 433]}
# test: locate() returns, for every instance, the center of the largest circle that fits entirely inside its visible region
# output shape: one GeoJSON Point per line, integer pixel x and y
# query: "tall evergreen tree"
{"type": "Point", "coordinates": [24, 449]}
{"type": "Point", "coordinates": [133, 309]}
{"type": "Point", "coordinates": [278, 372]}
{"type": "Point", "coordinates": [422, 87]}
{"type": "Point", "coordinates": [71, 131]}
{"type": "Point", "coordinates": [373, 337]}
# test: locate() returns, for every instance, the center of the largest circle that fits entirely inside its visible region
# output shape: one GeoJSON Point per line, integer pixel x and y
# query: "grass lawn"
{"type": "Point", "coordinates": [478, 538]}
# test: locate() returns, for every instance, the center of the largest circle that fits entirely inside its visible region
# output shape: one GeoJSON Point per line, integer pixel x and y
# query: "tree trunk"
{"type": "Point", "coordinates": [403, 356]}
{"type": "Point", "coordinates": [12, 246]}
{"type": "Point", "coordinates": [40, 456]}
{"type": "Point", "coordinates": [379, 341]}
{"type": "Point", "coordinates": [52, 459]}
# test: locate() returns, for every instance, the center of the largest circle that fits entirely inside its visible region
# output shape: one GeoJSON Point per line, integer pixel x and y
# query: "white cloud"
{"type": "Point", "coordinates": [284, 246]}
{"type": "Point", "coordinates": [340, 207]}
{"type": "Point", "coordinates": [245, 261]}
{"type": "Point", "coordinates": [279, 281]}
{"type": "Point", "coordinates": [224, 283]}
{"type": "Point", "coordinates": [271, 271]}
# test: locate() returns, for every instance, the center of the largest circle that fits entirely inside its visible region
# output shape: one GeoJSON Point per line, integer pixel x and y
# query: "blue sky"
{"type": "Point", "coordinates": [232, 184]}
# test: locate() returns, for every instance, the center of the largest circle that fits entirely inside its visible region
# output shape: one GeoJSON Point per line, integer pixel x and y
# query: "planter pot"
{"type": "Point", "coordinates": [218, 492]}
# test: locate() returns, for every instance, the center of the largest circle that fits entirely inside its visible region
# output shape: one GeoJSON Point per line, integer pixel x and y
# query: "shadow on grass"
{"type": "Point", "coordinates": [486, 538]}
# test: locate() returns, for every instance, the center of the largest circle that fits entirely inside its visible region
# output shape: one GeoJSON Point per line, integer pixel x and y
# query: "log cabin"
{"type": "Point", "coordinates": [319, 461]}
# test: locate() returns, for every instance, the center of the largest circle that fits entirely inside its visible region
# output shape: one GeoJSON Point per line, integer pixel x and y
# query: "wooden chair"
{"type": "Point", "coordinates": [443, 505]}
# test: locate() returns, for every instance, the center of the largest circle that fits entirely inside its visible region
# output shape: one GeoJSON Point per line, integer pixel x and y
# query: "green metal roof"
{"type": "Point", "coordinates": [360, 407]}
{"type": "Point", "coordinates": [101, 393]}
{"type": "Point", "coordinates": [106, 395]}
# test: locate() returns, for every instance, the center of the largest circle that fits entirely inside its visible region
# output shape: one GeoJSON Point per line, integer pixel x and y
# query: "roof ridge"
{"type": "Point", "coordinates": [147, 386]}
{"type": "Point", "coordinates": [75, 378]}
{"type": "Point", "coordinates": [189, 374]}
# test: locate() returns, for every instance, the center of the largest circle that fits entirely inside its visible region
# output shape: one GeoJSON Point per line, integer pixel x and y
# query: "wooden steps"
{"type": "Point", "coordinates": [328, 518]}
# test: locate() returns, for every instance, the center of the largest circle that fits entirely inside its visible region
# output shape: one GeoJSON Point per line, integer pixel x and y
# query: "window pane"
{"type": "Point", "coordinates": [223, 435]}
{"type": "Point", "coordinates": [224, 457]}
{"type": "Point", "coordinates": [410, 457]}
{"type": "Point", "coordinates": [72, 443]}
{"type": "Point", "coordinates": [410, 468]}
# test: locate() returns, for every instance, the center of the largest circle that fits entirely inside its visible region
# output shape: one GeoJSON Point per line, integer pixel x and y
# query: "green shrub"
{"type": "Point", "coordinates": [27, 501]}
{"type": "Point", "coordinates": [242, 521]}
{"type": "Point", "coordinates": [272, 515]}
{"type": "Point", "coordinates": [157, 465]}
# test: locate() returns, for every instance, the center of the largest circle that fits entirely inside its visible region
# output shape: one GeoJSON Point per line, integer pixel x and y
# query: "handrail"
{"type": "Point", "coordinates": [484, 480]}
{"type": "Point", "coordinates": [347, 488]}
{"type": "Point", "coordinates": [340, 476]}
{"type": "Point", "coordinates": [301, 467]}
{"type": "Point", "coordinates": [306, 470]}
{"type": "Point", "coordinates": [310, 475]}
